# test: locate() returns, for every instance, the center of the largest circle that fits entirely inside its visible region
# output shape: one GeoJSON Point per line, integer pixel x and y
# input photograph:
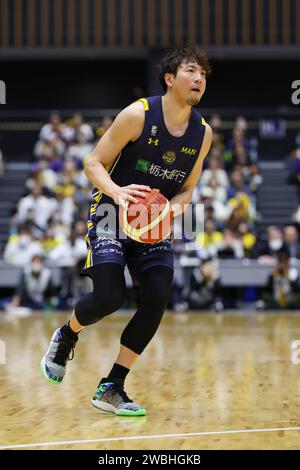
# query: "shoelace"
{"type": "Point", "coordinates": [65, 351]}
{"type": "Point", "coordinates": [122, 393]}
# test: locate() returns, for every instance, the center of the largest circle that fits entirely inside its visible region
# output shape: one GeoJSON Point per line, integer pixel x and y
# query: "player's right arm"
{"type": "Point", "coordinates": [127, 127]}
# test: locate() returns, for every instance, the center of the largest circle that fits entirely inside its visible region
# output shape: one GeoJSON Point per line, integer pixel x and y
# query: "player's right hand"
{"type": "Point", "coordinates": [123, 195]}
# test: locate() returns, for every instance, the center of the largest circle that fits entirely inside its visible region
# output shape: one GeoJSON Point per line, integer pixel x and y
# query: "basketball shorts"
{"type": "Point", "coordinates": [137, 256]}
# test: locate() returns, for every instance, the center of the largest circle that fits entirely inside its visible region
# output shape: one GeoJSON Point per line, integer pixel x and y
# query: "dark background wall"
{"type": "Point", "coordinates": [72, 84]}
{"type": "Point", "coordinates": [112, 84]}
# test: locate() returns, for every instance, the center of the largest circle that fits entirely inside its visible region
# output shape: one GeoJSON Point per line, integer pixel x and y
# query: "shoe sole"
{"type": "Point", "coordinates": [43, 365]}
{"type": "Point", "coordinates": [100, 405]}
{"type": "Point", "coordinates": [44, 373]}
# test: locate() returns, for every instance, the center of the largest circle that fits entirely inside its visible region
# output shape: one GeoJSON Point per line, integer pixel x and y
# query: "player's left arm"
{"type": "Point", "coordinates": [180, 202]}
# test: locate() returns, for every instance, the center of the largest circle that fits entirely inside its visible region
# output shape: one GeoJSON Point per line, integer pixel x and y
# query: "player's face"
{"type": "Point", "coordinates": [190, 82]}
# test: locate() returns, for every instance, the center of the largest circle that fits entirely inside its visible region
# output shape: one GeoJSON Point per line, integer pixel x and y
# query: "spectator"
{"type": "Point", "coordinates": [35, 286]}
{"type": "Point", "coordinates": [210, 239]}
{"type": "Point", "coordinates": [104, 125]}
{"type": "Point", "coordinates": [21, 247]}
{"type": "Point", "coordinates": [282, 290]}
{"type": "Point", "coordinates": [291, 240]}
{"type": "Point", "coordinates": [42, 208]}
{"type": "Point", "coordinates": [214, 171]}
{"type": "Point", "coordinates": [205, 287]}
{"type": "Point", "coordinates": [221, 211]}
{"type": "Point", "coordinates": [247, 237]}
{"type": "Point", "coordinates": [51, 139]}
{"type": "Point", "coordinates": [231, 246]}
{"type": "Point", "coordinates": [79, 137]}
{"type": "Point", "coordinates": [268, 250]}
{"type": "Point", "coordinates": [238, 185]}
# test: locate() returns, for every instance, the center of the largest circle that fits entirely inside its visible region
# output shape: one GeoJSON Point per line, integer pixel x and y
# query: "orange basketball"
{"type": "Point", "coordinates": [149, 220]}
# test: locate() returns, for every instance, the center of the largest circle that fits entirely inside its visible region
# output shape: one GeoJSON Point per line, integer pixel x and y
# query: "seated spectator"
{"type": "Point", "coordinates": [21, 247]}
{"type": "Point", "coordinates": [220, 192]}
{"type": "Point", "coordinates": [79, 137]}
{"type": "Point", "coordinates": [50, 242]}
{"type": "Point", "coordinates": [205, 285]}
{"type": "Point", "coordinates": [236, 217]}
{"type": "Point", "coordinates": [104, 125]}
{"type": "Point", "coordinates": [65, 207]}
{"type": "Point", "coordinates": [238, 137]}
{"type": "Point", "coordinates": [35, 288]}
{"type": "Point", "coordinates": [247, 237]}
{"type": "Point", "coordinates": [51, 139]}
{"type": "Point", "coordinates": [238, 185]}
{"type": "Point", "coordinates": [46, 177]}
{"type": "Point", "coordinates": [291, 239]}
{"type": "Point", "coordinates": [242, 205]}
{"type": "Point", "coordinates": [240, 158]}
{"type": "Point", "coordinates": [214, 171]}
{"type": "Point", "coordinates": [282, 290]}
{"type": "Point", "coordinates": [209, 239]}
{"type": "Point", "coordinates": [41, 207]}
{"type": "Point", "coordinates": [231, 246]}
{"type": "Point", "coordinates": [268, 250]}
{"type": "Point", "coordinates": [215, 122]}
{"type": "Point", "coordinates": [221, 211]}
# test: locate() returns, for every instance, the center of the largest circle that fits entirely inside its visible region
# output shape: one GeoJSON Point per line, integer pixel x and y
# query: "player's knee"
{"type": "Point", "coordinates": [86, 311]}
{"type": "Point", "coordinates": [108, 302]}
{"type": "Point", "coordinates": [156, 298]}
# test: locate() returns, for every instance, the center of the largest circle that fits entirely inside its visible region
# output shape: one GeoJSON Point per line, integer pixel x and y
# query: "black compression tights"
{"type": "Point", "coordinates": [108, 296]}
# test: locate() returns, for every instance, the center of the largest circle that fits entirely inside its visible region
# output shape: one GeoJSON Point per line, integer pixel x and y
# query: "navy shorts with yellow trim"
{"type": "Point", "coordinates": [137, 256]}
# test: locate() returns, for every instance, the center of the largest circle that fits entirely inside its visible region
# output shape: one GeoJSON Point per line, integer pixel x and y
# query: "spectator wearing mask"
{"type": "Point", "coordinates": [21, 247]}
{"type": "Point", "coordinates": [267, 250]}
{"type": "Point", "coordinates": [35, 287]}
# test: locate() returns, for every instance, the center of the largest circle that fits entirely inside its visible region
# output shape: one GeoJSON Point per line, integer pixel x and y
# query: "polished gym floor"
{"type": "Point", "coordinates": [208, 381]}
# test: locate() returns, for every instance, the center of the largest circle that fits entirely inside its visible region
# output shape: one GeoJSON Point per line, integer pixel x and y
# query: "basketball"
{"type": "Point", "coordinates": [149, 220]}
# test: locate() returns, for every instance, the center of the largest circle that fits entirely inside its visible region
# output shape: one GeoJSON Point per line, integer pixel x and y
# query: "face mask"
{"type": "Point", "coordinates": [24, 240]}
{"type": "Point", "coordinates": [36, 268]}
{"type": "Point", "coordinates": [275, 244]}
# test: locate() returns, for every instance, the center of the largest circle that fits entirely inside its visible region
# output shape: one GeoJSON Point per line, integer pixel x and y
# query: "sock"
{"type": "Point", "coordinates": [117, 374]}
{"type": "Point", "coordinates": [67, 330]}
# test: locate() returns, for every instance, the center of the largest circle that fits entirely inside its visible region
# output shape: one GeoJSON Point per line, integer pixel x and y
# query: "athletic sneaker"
{"type": "Point", "coordinates": [61, 350]}
{"type": "Point", "coordinates": [110, 396]}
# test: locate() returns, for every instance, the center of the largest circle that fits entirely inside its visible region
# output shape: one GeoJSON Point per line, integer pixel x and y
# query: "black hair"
{"type": "Point", "coordinates": [178, 55]}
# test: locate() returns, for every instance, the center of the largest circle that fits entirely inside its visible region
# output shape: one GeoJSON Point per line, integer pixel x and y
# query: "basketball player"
{"type": "Point", "coordinates": [157, 142]}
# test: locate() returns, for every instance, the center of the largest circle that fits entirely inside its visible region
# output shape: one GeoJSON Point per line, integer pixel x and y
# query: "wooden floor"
{"type": "Point", "coordinates": [208, 382]}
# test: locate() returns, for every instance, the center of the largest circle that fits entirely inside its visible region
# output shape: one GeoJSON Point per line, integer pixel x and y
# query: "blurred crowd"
{"type": "Point", "coordinates": [49, 225]}
{"type": "Point", "coordinates": [228, 190]}
{"type": "Point", "coordinates": [50, 220]}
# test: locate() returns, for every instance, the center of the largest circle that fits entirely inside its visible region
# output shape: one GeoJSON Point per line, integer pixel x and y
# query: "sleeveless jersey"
{"type": "Point", "coordinates": [156, 159]}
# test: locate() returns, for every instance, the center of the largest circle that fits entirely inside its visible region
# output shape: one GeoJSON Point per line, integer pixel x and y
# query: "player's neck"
{"type": "Point", "coordinates": [176, 114]}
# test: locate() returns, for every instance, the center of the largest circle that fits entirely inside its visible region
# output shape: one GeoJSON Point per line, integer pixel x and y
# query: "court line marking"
{"type": "Point", "coordinates": [159, 436]}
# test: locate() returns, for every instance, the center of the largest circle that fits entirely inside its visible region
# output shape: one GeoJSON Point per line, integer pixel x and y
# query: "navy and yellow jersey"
{"type": "Point", "coordinates": [156, 159]}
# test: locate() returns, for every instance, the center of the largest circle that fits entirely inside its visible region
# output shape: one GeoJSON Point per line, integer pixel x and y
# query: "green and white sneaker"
{"type": "Point", "coordinates": [110, 396]}
{"type": "Point", "coordinates": [61, 350]}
